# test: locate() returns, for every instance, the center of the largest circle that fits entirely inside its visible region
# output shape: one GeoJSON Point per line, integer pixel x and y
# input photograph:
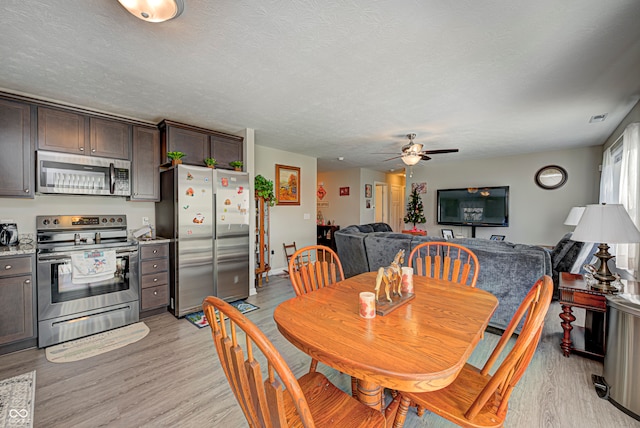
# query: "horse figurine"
{"type": "Point", "coordinates": [392, 276]}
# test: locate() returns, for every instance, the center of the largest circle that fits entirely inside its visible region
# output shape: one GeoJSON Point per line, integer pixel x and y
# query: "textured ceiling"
{"type": "Point", "coordinates": [342, 78]}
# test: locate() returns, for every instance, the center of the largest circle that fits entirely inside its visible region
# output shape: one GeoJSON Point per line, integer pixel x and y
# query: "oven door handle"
{"type": "Point", "coordinates": [66, 257]}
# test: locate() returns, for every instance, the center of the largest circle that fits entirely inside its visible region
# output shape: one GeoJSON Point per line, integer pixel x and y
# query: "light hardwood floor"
{"type": "Point", "coordinates": [173, 378]}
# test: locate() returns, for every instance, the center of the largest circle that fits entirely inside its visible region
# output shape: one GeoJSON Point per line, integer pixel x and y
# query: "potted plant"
{"type": "Point", "coordinates": [211, 162]}
{"type": "Point", "coordinates": [237, 165]}
{"type": "Point", "coordinates": [264, 189]}
{"type": "Point", "coordinates": [176, 157]}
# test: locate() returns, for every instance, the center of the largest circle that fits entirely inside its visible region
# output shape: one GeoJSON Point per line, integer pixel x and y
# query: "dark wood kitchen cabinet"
{"type": "Point", "coordinates": [145, 166]}
{"type": "Point", "coordinates": [17, 303]}
{"type": "Point", "coordinates": [199, 143]}
{"type": "Point", "coordinates": [154, 277]}
{"type": "Point", "coordinates": [75, 133]}
{"type": "Point", "coordinates": [17, 142]}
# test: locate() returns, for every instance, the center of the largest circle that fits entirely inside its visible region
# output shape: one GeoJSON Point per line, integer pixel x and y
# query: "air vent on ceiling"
{"type": "Point", "coordinates": [598, 118]}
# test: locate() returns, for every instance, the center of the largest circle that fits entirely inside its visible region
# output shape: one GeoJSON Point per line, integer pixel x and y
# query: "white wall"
{"type": "Point", "coordinates": [288, 222]}
{"type": "Point", "coordinates": [369, 176]}
{"type": "Point", "coordinates": [344, 210]}
{"type": "Point", "coordinates": [536, 216]}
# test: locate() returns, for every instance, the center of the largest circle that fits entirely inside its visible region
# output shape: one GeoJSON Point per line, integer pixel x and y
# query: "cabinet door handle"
{"type": "Point", "coordinates": [155, 293]}
{"type": "Point", "coordinates": [7, 267]}
{"type": "Point", "coordinates": [93, 150]}
{"type": "Point", "coordinates": [155, 251]}
{"type": "Point", "coordinates": [28, 281]}
{"type": "Point", "coordinates": [26, 190]}
{"type": "Point", "coordinates": [155, 279]}
{"type": "Point", "coordinates": [81, 149]}
{"type": "Point", "coordinates": [155, 266]}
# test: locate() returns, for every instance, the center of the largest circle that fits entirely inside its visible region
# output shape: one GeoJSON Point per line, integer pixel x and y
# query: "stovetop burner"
{"type": "Point", "coordinates": [74, 233]}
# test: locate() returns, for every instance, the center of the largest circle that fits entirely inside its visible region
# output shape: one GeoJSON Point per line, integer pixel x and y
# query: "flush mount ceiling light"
{"type": "Point", "coordinates": [154, 10]}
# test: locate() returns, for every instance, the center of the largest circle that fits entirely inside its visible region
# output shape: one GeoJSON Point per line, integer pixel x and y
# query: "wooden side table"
{"type": "Point", "coordinates": [415, 232]}
{"type": "Point", "coordinates": [590, 339]}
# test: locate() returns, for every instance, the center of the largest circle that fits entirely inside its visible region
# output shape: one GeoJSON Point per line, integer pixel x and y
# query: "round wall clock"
{"type": "Point", "coordinates": [551, 177]}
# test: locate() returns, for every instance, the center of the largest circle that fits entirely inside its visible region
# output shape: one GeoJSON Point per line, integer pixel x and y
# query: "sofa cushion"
{"type": "Point", "coordinates": [383, 246]}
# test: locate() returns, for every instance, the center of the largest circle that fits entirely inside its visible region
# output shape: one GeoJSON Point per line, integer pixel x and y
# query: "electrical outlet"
{"type": "Point", "coordinates": [145, 221]}
{"type": "Point", "coordinates": [272, 252]}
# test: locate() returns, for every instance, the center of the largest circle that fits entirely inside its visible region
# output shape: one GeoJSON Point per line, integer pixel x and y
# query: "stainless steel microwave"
{"type": "Point", "coordinates": [63, 173]}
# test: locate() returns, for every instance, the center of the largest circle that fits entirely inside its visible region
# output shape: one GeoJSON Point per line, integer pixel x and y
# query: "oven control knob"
{"type": "Point", "coordinates": [104, 219]}
{"type": "Point", "coordinates": [45, 222]}
{"type": "Point", "coordinates": [111, 220]}
{"type": "Point", "coordinates": [56, 221]}
{"type": "Point", "coordinates": [119, 219]}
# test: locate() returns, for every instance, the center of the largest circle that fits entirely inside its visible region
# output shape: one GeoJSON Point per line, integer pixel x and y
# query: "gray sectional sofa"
{"type": "Point", "coordinates": [507, 270]}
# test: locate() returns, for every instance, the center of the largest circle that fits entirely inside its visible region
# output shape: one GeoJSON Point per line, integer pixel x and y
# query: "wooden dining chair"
{"type": "Point", "coordinates": [476, 398]}
{"type": "Point", "coordinates": [314, 267]}
{"type": "Point", "coordinates": [270, 395]}
{"type": "Point", "coordinates": [445, 260]}
{"type": "Point", "coordinates": [289, 251]}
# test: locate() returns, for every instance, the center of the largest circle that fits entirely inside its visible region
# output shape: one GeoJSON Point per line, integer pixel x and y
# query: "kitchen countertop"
{"type": "Point", "coordinates": [17, 250]}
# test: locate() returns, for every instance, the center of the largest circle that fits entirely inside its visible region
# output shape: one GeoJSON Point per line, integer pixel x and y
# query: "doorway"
{"type": "Point", "coordinates": [381, 202]}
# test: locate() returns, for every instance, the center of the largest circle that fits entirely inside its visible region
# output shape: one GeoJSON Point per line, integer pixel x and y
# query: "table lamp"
{"type": "Point", "coordinates": [605, 223]}
{"type": "Point", "coordinates": [574, 216]}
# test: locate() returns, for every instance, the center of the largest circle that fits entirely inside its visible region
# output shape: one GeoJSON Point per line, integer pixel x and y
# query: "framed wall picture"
{"type": "Point", "coordinates": [421, 187]}
{"type": "Point", "coordinates": [447, 234]}
{"type": "Point", "coordinates": [288, 180]}
{"type": "Point", "coordinates": [344, 191]}
{"type": "Point", "coordinates": [367, 190]}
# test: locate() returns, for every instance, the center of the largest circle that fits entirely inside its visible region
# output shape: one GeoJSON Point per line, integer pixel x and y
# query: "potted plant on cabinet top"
{"type": "Point", "coordinates": [264, 189]}
{"type": "Point", "coordinates": [211, 162]}
{"type": "Point", "coordinates": [237, 165]}
{"type": "Point", "coordinates": [176, 157]}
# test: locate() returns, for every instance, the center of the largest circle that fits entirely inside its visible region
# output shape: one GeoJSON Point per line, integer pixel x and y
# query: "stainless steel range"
{"type": "Point", "coordinates": [87, 275]}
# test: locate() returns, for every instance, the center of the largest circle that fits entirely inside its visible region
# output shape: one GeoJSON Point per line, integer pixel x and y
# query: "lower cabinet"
{"type": "Point", "coordinates": [154, 278]}
{"type": "Point", "coordinates": [17, 303]}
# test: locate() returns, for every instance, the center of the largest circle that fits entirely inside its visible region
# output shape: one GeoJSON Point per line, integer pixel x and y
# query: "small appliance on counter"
{"type": "Point", "coordinates": [8, 234]}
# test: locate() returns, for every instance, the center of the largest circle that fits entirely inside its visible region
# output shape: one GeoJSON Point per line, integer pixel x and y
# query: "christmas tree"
{"type": "Point", "coordinates": [415, 211]}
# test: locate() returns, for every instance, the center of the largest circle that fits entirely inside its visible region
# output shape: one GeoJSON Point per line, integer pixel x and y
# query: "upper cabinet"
{"type": "Point", "coordinates": [145, 164]}
{"type": "Point", "coordinates": [17, 144]}
{"type": "Point", "coordinates": [198, 144]}
{"type": "Point", "coordinates": [70, 132]}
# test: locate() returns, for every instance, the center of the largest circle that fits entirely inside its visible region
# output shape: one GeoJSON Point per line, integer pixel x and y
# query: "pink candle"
{"type": "Point", "coordinates": [407, 280]}
{"type": "Point", "coordinates": [367, 304]}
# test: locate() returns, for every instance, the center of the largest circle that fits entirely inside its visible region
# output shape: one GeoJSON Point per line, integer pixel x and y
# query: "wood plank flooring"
{"type": "Point", "coordinates": [173, 378]}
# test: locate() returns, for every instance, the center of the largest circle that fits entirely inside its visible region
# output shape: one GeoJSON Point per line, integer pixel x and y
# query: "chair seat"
{"type": "Point", "coordinates": [455, 399]}
{"type": "Point", "coordinates": [331, 407]}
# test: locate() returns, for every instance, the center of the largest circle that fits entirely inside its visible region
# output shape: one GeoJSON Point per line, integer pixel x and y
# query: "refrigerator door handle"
{"type": "Point", "coordinates": [215, 215]}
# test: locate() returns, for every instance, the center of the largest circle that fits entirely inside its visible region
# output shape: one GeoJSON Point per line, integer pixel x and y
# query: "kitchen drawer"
{"type": "Point", "coordinates": [154, 266]}
{"type": "Point", "coordinates": [154, 297]}
{"type": "Point", "coordinates": [152, 280]}
{"type": "Point", "coordinates": [154, 251]}
{"type": "Point", "coordinates": [10, 266]}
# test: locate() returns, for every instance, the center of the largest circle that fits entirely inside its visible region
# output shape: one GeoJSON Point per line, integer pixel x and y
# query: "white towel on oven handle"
{"type": "Point", "coordinates": [93, 266]}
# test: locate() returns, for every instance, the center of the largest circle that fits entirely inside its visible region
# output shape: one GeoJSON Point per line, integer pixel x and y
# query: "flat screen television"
{"type": "Point", "coordinates": [474, 206]}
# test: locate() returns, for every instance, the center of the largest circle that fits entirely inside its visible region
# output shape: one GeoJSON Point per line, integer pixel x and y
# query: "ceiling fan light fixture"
{"type": "Point", "coordinates": [154, 10]}
{"type": "Point", "coordinates": [411, 158]}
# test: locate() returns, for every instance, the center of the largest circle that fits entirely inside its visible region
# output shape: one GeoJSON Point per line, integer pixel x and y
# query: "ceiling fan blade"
{"type": "Point", "coordinates": [395, 157]}
{"type": "Point", "coordinates": [436, 152]}
{"type": "Point", "coordinates": [424, 157]}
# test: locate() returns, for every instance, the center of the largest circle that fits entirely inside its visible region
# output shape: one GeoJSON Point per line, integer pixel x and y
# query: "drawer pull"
{"type": "Point", "coordinates": [155, 293]}
{"type": "Point", "coordinates": [155, 279]}
{"type": "Point", "coordinates": [7, 267]}
{"type": "Point", "coordinates": [155, 266]}
{"type": "Point", "coordinates": [155, 251]}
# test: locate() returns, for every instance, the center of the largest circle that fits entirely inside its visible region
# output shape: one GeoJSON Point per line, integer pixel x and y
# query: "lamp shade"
{"type": "Point", "coordinates": [574, 216]}
{"type": "Point", "coordinates": [608, 223]}
{"type": "Point", "coordinates": [411, 158]}
{"type": "Point", "coordinates": [154, 10]}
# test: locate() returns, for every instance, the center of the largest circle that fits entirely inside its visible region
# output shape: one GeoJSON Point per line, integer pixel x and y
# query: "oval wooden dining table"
{"type": "Point", "coordinates": [419, 346]}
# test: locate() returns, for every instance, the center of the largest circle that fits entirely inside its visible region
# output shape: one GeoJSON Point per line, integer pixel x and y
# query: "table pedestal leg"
{"type": "Point", "coordinates": [370, 394]}
{"type": "Point", "coordinates": [567, 318]}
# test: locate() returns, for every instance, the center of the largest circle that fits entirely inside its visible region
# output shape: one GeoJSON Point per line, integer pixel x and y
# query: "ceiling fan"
{"type": "Point", "coordinates": [412, 152]}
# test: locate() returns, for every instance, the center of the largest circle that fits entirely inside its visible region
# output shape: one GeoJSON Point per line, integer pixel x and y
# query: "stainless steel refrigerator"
{"type": "Point", "coordinates": [205, 212]}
